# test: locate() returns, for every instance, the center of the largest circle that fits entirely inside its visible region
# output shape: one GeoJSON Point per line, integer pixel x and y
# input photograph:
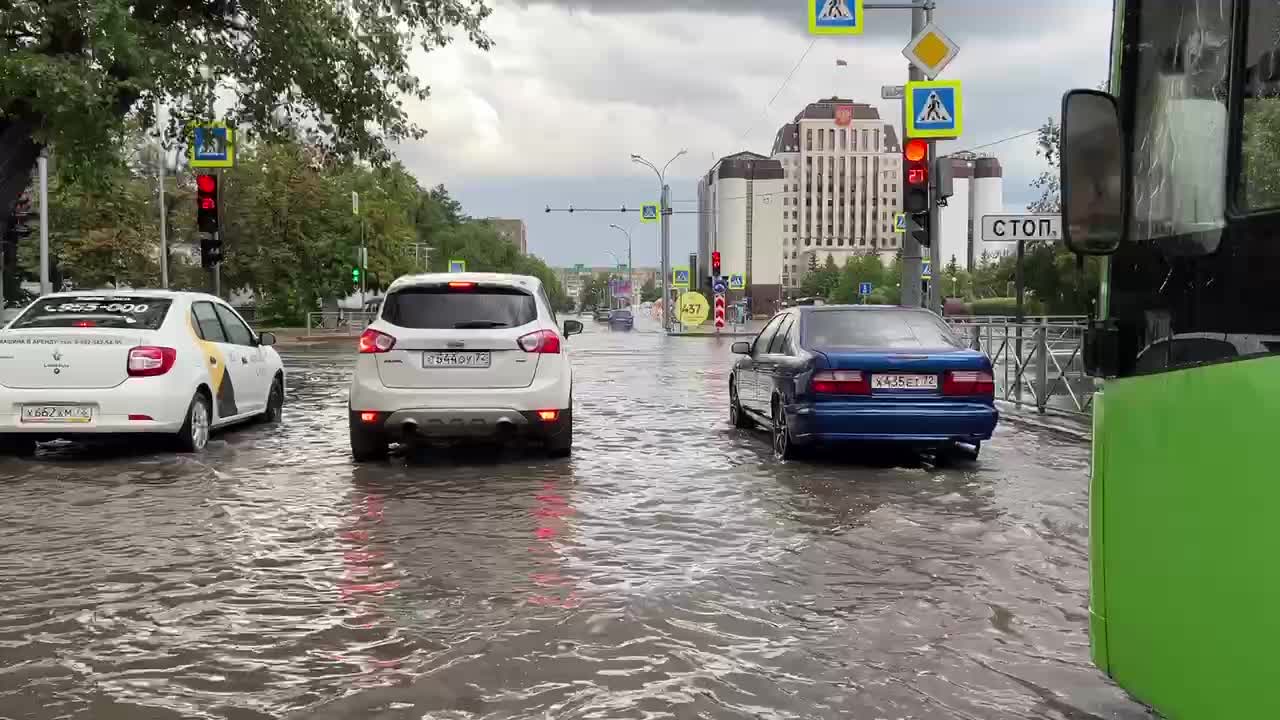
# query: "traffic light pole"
{"type": "Point", "coordinates": [46, 287]}
{"type": "Point", "coordinates": [935, 231]}
{"type": "Point", "coordinates": [910, 281]}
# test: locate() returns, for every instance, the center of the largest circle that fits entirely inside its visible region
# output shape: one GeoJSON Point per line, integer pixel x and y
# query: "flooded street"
{"type": "Point", "coordinates": [671, 568]}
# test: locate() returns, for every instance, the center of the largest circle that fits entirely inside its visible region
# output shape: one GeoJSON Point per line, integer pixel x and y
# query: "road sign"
{"type": "Point", "coordinates": [1011, 228]}
{"type": "Point", "coordinates": [935, 109]}
{"type": "Point", "coordinates": [930, 51]}
{"type": "Point", "coordinates": [864, 289]}
{"type": "Point", "coordinates": [893, 92]}
{"type": "Point", "coordinates": [213, 145]}
{"type": "Point", "coordinates": [926, 271]}
{"type": "Point", "coordinates": [737, 281]}
{"type": "Point", "coordinates": [719, 310]}
{"type": "Point", "coordinates": [719, 286]}
{"type": "Point", "coordinates": [899, 222]}
{"type": "Point", "coordinates": [457, 266]}
{"type": "Point", "coordinates": [649, 213]}
{"type": "Point", "coordinates": [693, 309]}
{"type": "Point", "coordinates": [835, 17]}
{"type": "Point", "coordinates": [680, 277]}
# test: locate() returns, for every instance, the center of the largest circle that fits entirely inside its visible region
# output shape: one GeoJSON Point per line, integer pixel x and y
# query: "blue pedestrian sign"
{"type": "Point", "coordinates": [864, 289]}
{"type": "Point", "coordinates": [737, 281]}
{"type": "Point", "coordinates": [835, 17]}
{"type": "Point", "coordinates": [212, 146]}
{"type": "Point", "coordinates": [719, 287]}
{"type": "Point", "coordinates": [935, 109]}
{"type": "Point", "coordinates": [926, 272]}
{"type": "Point", "coordinates": [649, 213]}
{"type": "Point", "coordinates": [899, 222]}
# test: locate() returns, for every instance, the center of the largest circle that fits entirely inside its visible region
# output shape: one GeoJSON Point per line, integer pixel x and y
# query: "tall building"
{"type": "Point", "coordinates": [977, 190]}
{"type": "Point", "coordinates": [513, 231]}
{"type": "Point", "coordinates": [740, 216]}
{"type": "Point", "coordinates": [841, 186]}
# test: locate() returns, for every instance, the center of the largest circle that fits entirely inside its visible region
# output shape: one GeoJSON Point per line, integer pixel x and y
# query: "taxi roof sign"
{"type": "Point", "coordinates": [931, 50]}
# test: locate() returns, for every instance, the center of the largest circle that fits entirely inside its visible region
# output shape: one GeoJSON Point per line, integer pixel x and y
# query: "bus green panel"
{"type": "Point", "coordinates": [1189, 503]}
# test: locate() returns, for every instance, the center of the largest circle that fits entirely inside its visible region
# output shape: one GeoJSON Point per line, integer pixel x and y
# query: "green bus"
{"type": "Point", "coordinates": [1175, 180]}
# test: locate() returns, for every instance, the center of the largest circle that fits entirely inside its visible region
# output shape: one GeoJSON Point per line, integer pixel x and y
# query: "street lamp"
{"type": "Point", "coordinates": [630, 269]}
{"type": "Point", "coordinates": [663, 210]}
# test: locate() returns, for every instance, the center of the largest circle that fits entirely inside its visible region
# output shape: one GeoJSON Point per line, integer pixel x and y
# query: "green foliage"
{"type": "Point", "coordinates": [479, 244]}
{"type": "Point", "coordinates": [857, 270]}
{"type": "Point", "coordinates": [1005, 306]}
{"type": "Point", "coordinates": [1048, 143]}
{"type": "Point", "coordinates": [820, 281]}
{"type": "Point", "coordinates": [595, 291]}
{"type": "Point", "coordinates": [650, 291]}
{"type": "Point", "coordinates": [1261, 185]}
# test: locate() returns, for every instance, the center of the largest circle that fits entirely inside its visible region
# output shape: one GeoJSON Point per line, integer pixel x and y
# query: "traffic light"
{"type": "Point", "coordinates": [921, 230]}
{"type": "Point", "coordinates": [210, 252]}
{"type": "Point", "coordinates": [207, 203]}
{"type": "Point", "coordinates": [915, 165]}
{"type": "Point", "coordinates": [715, 264]}
{"type": "Point", "coordinates": [18, 229]}
{"type": "Point", "coordinates": [355, 276]}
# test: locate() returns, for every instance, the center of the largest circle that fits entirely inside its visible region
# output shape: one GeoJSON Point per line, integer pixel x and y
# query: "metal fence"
{"type": "Point", "coordinates": [338, 322]}
{"type": "Point", "coordinates": [1037, 362]}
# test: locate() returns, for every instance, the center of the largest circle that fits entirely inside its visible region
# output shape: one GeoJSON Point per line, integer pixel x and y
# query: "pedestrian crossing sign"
{"type": "Point", "coordinates": [926, 272]}
{"type": "Point", "coordinates": [900, 222]}
{"type": "Point", "coordinates": [649, 213]}
{"type": "Point", "coordinates": [935, 109]}
{"type": "Point", "coordinates": [835, 17]}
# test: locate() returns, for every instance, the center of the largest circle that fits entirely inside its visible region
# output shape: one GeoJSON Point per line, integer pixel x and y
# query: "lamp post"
{"type": "Point", "coordinates": [663, 215]}
{"type": "Point", "coordinates": [630, 268]}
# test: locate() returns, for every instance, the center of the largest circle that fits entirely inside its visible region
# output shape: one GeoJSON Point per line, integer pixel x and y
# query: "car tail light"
{"type": "Point", "coordinates": [148, 360]}
{"type": "Point", "coordinates": [968, 382]}
{"type": "Point", "coordinates": [462, 285]}
{"type": "Point", "coordinates": [543, 341]}
{"type": "Point", "coordinates": [368, 417]}
{"type": "Point", "coordinates": [372, 341]}
{"type": "Point", "coordinates": [138, 417]}
{"type": "Point", "coordinates": [841, 382]}
{"type": "Point", "coordinates": [548, 415]}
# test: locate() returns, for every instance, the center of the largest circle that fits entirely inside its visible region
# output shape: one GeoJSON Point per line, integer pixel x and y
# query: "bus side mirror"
{"type": "Point", "coordinates": [1094, 191]}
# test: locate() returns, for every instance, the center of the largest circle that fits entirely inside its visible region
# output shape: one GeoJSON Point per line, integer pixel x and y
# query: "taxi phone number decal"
{"type": "Point", "coordinates": [98, 307]}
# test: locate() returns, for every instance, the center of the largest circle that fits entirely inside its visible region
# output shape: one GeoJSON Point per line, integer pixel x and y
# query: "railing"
{"type": "Point", "coordinates": [338, 322]}
{"type": "Point", "coordinates": [1036, 363]}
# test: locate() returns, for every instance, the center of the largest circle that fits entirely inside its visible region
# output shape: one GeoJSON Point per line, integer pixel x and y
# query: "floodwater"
{"type": "Point", "coordinates": [670, 569]}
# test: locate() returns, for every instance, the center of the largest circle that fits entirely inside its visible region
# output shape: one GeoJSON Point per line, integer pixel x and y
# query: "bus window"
{"type": "Point", "coordinates": [1182, 56]}
{"type": "Point", "coordinates": [1260, 137]}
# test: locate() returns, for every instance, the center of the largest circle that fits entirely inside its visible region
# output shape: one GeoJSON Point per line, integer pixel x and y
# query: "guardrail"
{"type": "Point", "coordinates": [1035, 363]}
{"type": "Point", "coordinates": [331, 322]}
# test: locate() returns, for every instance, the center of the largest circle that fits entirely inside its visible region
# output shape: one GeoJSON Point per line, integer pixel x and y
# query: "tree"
{"type": "Point", "coordinates": [857, 270]}
{"type": "Point", "coordinates": [821, 281]}
{"type": "Point", "coordinates": [71, 73]}
{"type": "Point", "coordinates": [650, 291]}
{"type": "Point", "coordinates": [1048, 142]}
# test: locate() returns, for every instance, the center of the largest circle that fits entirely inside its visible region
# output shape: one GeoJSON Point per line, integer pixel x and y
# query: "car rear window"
{"type": "Point", "coordinates": [95, 311]}
{"type": "Point", "coordinates": [479, 308]}
{"type": "Point", "coordinates": [905, 330]}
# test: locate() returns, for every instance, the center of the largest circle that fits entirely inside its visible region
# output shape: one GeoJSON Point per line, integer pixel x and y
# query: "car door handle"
{"type": "Point", "coordinates": [213, 361]}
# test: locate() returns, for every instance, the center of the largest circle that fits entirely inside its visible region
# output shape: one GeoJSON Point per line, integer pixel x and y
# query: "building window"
{"type": "Point", "coordinates": [877, 139]}
{"type": "Point", "coordinates": [795, 228]}
{"type": "Point", "coordinates": [820, 138]}
{"type": "Point", "coordinates": [840, 242]}
{"type": "Point", "coordinates": [831, 136]}
{"type": "Point", "coordinates": [843, 139]}
{"type": "Point", "coordinates": [808, 139]}
{"type": "Point", "coordinates": [864, 140]}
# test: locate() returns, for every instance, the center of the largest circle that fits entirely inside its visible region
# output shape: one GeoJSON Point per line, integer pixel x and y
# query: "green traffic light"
{"type": "Point", "coordinates": [355, 274]}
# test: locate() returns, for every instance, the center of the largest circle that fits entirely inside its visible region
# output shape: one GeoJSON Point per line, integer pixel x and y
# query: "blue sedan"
{"type": "Point", "coordinates": [837, 373]}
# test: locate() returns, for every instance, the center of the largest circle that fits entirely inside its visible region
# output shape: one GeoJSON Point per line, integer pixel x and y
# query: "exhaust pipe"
{"type": "Point", "coordinates": [409, 427]}
{"type": "Point", "coordinates": [506, 428]}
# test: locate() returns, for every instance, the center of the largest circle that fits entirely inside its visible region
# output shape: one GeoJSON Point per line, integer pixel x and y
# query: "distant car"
{"type": "Point", "coordinates": [95, 364]}
{"type": "Point", "coordinates": [828, 374]}
{"type": "Point", "coordinates": [621, 319]}
{"type": "Point", "coordinates": [463, 355]}
{"type": "Point", "coordinates": [602, 314]}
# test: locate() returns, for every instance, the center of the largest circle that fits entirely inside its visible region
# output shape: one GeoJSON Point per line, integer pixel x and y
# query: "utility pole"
{"type": "Point", "coordinates": [664, 208]}
{"type": "Point", "coordinates": [910, 282]}
{"type": "Point", "coordinates": [43, 162]}
{"type": "Point", "coordinates": [164, 238]}
{"type": "Point", "coordinates": [935, 216]}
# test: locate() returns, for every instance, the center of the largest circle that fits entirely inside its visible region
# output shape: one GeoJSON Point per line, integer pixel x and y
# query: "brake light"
{"type": "Point", "coordinates": [841, 382]}
{"type": "Point", "coordinates": [84, 323]}
{"type": "Point", "coordinates": [542, 341]}
{"type": "Point", "coordinates": [461, 285]}
{"type": "Point", "coordinates": [372, 341]}
{"type": "Point", "coordinates": [548, 415]}
{"type": "Point", "coordinates": [368, 417]}
{"type": "Point", "coordinates": [149, 360]}
{"type": "Point", "coordinates": [968, 382]}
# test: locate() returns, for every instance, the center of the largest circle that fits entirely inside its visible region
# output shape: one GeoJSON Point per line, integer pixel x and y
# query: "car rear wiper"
{"type": "Point", "coordinates": [478, 324]}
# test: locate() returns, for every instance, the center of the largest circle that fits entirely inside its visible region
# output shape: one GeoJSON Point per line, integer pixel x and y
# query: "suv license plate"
{"type": "Point", "coordinates": [904, 382]}
{"type": "Point", "coordinates": [57, 413]}
{"type": "Point", "coordinates": [455, 359]}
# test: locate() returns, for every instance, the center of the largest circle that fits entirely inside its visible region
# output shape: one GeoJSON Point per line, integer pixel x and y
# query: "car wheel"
{"type": "Point", "coordinates": [274, 411]}
{"type": "Point", "coordinates": [17, 446]}
{"type": "Point", "coordinates": [367, 444]}
{"type": "Point", "coordinates": [737, 416]}
{"type": "Point", "coordinates": [561, 444]}
{"type": "Point", "coordinates": [784, 445]}
{"type": "Point", "coordinates": [194, 435]}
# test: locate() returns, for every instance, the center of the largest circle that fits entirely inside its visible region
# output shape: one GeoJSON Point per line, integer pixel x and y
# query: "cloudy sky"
{"type": "Point", "coordinates": [571, 88]}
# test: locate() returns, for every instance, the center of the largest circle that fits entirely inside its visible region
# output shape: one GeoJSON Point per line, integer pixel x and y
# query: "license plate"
{"type": "Point", "coordinates": [455, 359]}
{"type": "Point", "coordinates": [904, 382]}
{"type": "Point", "coordinates": [57, 413]}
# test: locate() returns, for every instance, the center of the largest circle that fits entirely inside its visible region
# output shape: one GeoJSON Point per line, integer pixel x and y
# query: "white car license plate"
{"type": "Point", "coordinates": [904, 382]}
{"type": "Point", "coordinates": [455, 359]}
{"type": "Point", "coordinates": [57, 413]}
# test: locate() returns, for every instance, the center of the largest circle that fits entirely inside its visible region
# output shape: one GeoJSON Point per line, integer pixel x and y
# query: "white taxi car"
{"type": "Point", "coordinates": [100, 363]}
{"type": "Point", "coordinates": [463, 355]}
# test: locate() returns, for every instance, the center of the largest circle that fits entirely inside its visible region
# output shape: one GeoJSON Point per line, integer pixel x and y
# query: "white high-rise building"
{"type": "Point", "coordinates": [978, 189]}
{"type": "Point", "coordinates": [740, 216]}
{"type": "Point", "coordinates": [841, 185]}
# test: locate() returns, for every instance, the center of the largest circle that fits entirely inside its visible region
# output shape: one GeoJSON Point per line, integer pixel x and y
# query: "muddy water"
{"type": "Point", "coordinates": [671, 568]}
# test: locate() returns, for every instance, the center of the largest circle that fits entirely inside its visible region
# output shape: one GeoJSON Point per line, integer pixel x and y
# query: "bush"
{"type": "Point", "coordinates": [1004, 306]}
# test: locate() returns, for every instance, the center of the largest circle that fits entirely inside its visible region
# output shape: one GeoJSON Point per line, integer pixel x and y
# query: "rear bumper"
{"type": "Point", "coordinates": [111, 409]}
{"type": "Point", "coordinates": [419, 424]}
{"type": "Point", "coordinates": [893, 421]}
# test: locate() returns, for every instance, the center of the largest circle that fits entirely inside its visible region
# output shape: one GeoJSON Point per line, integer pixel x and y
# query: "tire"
{"type": "Point", "coordinates": [367, 445]}
{"type": "Point", "coordinates": [274, 411]}
{"type": "Point", "coordinates": [784, 445]}
{"type": "Point", "coordinates": [737, 416]}
{"type": "Point", "coordinates": [17, 446]}
{"type": "Point", "coordinates": [560, 445]}
{"type": "Point", "coordinates": [194, 435]}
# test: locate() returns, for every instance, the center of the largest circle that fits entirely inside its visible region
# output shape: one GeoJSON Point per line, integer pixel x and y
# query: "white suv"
{"type": "Point", "coordinates": [463, 355]}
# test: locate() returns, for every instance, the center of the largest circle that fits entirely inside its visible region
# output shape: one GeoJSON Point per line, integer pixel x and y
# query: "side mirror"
{"type": "Point", "coordinates": [572, 327]}
{"type": "Point", "coordinates": [266, 339]}
{"type": "Point", "coordinates": [1094, 192]}
{"type": "Point", "coordinates": [742, 348]}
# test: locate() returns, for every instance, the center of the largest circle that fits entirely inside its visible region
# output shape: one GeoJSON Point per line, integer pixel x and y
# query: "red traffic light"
{"type": "Point", "coordinates": [715, 258]}
{"type": "Point", "coordinates": [207, 183]}
{"type": "Point", "coordinates": [916, 149]}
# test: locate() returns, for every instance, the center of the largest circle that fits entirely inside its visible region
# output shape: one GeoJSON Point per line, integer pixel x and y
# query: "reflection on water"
{"type": "Point", "coordinates": [671, 568]}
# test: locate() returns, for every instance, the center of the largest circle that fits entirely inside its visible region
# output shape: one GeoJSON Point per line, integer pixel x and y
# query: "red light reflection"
{"type": "Point", "coordinates": [552, 512]}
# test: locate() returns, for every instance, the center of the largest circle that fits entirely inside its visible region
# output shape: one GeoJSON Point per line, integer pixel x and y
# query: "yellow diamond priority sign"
{"type": "Point", "coordinates": [930, 51]}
